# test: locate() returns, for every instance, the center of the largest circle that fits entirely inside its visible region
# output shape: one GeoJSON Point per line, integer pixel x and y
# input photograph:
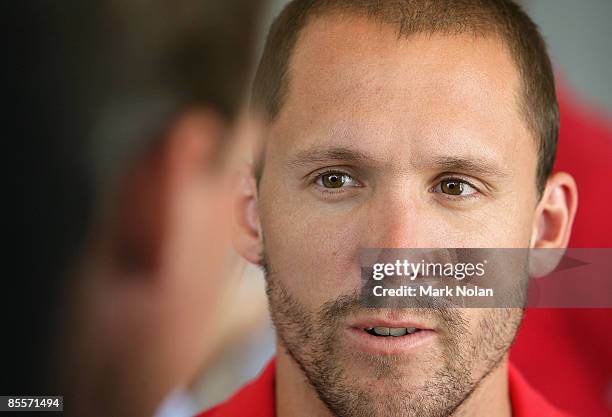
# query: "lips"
{"type": "Point", "coordinates": [392, 320]}
{"type": "Point", "coordinates": [389, 336]}
{"type": "Point", "coordinates": [391, 331]}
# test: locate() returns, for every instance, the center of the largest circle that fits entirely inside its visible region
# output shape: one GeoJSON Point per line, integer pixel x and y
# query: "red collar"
{"type": "Point", "coordinates": [256, 399]}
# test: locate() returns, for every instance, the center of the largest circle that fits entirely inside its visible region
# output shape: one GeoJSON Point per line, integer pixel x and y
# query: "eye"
{"type": "Point", "coordinates": [336, 180]}
{"type": "Point", "coordinates": [455, 187]}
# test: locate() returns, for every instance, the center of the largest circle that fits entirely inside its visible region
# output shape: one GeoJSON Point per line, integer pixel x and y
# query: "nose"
{"type": "Point", "coordinates": [398, 220]}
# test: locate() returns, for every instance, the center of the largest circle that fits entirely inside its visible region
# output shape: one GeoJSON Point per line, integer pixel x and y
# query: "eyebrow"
{"type": "Point", "coordinates": [469, 165]}
{"type": "Point", "coordinates": [474, 166]}
{"type": "Point", "coordinates": [337, 153]}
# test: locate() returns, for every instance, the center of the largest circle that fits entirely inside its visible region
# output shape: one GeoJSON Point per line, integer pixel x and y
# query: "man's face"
{"type": "Point", "coordinates": [388, 143]}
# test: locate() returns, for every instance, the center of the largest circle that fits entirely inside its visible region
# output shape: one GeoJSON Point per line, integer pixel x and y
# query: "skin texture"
{"type": "Point", "coordinates": [394, 118]}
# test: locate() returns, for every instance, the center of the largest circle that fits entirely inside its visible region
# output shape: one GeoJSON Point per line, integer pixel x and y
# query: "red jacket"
{"type": "Point", "coordinates": [257, 399]}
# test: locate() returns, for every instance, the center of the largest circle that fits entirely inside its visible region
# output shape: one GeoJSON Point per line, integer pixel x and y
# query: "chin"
{"type": "Point", "coordinates": [383, 373]}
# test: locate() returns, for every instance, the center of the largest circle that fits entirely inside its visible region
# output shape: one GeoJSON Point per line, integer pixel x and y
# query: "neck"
{"type": "Point", "coordinates": [294, 394]}
{"type": "Point", "coordinates": [295, 397]}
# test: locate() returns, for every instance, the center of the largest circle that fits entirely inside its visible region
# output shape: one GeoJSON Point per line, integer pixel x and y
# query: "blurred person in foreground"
{"type": "Point", "coordinates": [393, 124]}
{"type": "Point", "coordinates": [126, 114]}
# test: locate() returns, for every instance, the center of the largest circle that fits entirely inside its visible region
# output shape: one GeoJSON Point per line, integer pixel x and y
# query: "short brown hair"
{"type": "Point", "coordinates": [502, 18]}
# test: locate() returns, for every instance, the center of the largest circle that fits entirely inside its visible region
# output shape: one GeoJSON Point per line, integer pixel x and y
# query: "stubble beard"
{"type": "Point", "coordinates": [311, 341]}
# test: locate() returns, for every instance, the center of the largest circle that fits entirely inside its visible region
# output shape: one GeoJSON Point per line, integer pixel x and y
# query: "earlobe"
{"type": "Point", "coordinates": [247, 235]}
{"type": "Point", "coordinates": [555, 212]}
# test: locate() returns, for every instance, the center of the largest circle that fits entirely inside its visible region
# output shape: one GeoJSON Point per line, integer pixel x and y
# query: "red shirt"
{"type": "Point", "coordinates": [257, 399]}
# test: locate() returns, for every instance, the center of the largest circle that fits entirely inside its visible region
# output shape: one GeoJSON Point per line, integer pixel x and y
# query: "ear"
{"type": "Point", "coordinates": [555, 212]}
{"type": "Point", "coordinates": [155, 181]}
{"type": "Point", "coordinates": [553, 222]}
{"type": "Point", "coordinates": [247, 236]}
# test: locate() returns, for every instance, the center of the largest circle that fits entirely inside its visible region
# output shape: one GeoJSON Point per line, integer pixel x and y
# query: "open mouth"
{"type": "Point", "coordinates": [391, 331]}
{"type": "Point", "coordinates": [388, 336]}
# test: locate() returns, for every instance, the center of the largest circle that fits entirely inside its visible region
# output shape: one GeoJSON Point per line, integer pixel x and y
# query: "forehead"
{"type": "Point", "coordinates": [351, 74]}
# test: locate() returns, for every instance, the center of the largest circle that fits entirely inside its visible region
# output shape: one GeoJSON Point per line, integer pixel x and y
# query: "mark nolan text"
{"type": "Point", "coordinates": [432, 291]}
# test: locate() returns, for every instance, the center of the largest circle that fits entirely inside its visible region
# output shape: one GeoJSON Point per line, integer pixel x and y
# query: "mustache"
{"type": "Point", "coordinates": [425, 309]}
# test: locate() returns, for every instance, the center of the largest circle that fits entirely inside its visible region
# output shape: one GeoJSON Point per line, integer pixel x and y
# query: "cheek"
{"type": "Point", "coordinates": [313, 253]}
{"type": "Point", "coordinates": [504, 223]}
{"type": "Point", "coordinates": [473, 318]}
{"type": "Point", "coordinates": [511, 222]}
{"type": "Point", "coordinates": [492, 328]}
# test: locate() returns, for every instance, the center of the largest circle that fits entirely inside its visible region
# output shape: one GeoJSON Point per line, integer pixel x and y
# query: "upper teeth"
{"type": "Point", "coordinates": [392, 331]}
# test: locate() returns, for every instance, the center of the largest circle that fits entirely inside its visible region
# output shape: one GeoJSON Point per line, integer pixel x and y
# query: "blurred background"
{"type": "Point", "coordinates": [579, 37]}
